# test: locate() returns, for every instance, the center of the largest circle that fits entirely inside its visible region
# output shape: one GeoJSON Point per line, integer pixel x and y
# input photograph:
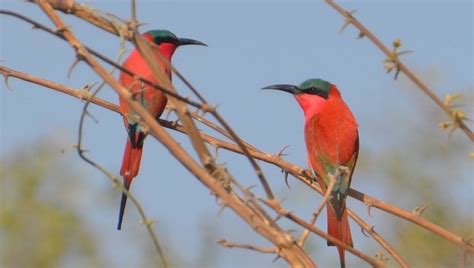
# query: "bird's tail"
{"type": "Point", "coordinates": [130, 165]}
{"type": "Point", "coordinates": [339, 228]}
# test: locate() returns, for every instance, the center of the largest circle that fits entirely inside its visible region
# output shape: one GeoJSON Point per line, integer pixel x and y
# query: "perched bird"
{"type": "Point", "coordinates": [332, 141]}
{"type": "Point", "coordinates": [165, 43]}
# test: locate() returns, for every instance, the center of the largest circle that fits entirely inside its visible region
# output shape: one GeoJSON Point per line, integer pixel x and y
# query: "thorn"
{"type": "Point", "coordinates": [276, 258]}
{"type": "Point", "coordinates": [140, 24]}
{"type": "Point", "coordinates": [175, 123]}
{"type": "Point", "coordinates": [91, 116]}
{"type": "Point", "coordinates": [360, 35]}
{"type": "Point", "coordinates": [216, 150]}
{"type": "Point", "coordinates": [278, 217]}
{"type": "Point", "coordinates": [286, 179]}
{"type": "Point", "coordinates": [363, 232]}
{"type": "Point", "coordinates": [372, 228]}
{"type": "Point", "coordinates": [74, 63]}
{"type": "Point", "coordinates": [223, 207]}
{"type": "Point", "coordinates": [348, 20]}
{"type": "Point", "coordinates": [420, 209]}
{"type": "Point", "coordinates": [448, 98]}
{"type": "Point", "coordinates": [6, 76]}
{"type": "Point", "coordinates": [281, 153]}
{"type": "Point", "coordinates": [369, 207]}
{"type": "Point", "coordinates": [396, 73]}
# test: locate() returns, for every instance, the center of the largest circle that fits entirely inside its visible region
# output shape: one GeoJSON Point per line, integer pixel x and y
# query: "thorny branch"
{"type": "Point", "coordinates": [262, 224]}
{"type": "Point", "coordinates": [82, 53]}
{"type": "Point", "coordinates": [252, 152]}
{"type": "Point", "coordinates": [124, 31]}
{"type": "Point", "coordinates": [291, 216]}
{"type": "Point", "coordinates": [296, 171]}
{"type": "Point", "coordinates": [227, 244]}
{"type": "Point", "coordinates": [366, 228]}
{"type": "Point", "coordinates": [350, 19]}
{"type": "Point", "coordinates": [116, 181]}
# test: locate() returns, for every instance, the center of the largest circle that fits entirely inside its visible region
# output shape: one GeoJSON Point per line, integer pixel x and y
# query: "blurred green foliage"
{"type": "Point", "coordinates": [38, 225]}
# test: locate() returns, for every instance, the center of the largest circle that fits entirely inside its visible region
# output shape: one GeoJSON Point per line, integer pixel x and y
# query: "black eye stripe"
{"type": "Point", "coordinates": [313, 90]}
{"type": "Point", "coordinates": [164, 40]}
{"type": "Point", "coordinates": [316, 91]}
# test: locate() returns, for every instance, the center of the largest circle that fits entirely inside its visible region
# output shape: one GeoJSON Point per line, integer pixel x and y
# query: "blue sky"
{"type": "Point", "coordinates": [251, 44]}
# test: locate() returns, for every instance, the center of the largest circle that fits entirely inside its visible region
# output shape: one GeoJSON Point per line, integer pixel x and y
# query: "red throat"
{"type": "Point", "coordinates": [167, 50]}
{"type": "Point", "coordinates": [311, 104]}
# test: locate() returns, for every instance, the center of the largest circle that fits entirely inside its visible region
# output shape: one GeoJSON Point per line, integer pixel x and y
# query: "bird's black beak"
{"type": "Point", "coordinates": [287, 88]}
{"type": "Point", "coordinates": [187, 41]}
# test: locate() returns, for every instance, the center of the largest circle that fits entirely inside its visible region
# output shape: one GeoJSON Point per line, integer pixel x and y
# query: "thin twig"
{"type": "Point", "coordinates": [148, 223]}
{"type": "Point", "coordinates": [377, 237]}
{"type": "Point", "coordinates": [80, 94]}
{"type": "Point", "coordinates": [401, 66]}
{"type": "Point", "coordinates": [228, 244]}
{"type": "Point", "coordinates": [291, 216]}
{"type": "Point", "coordinates": [323, 203]}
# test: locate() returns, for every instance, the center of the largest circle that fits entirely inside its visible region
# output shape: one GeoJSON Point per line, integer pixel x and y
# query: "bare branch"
{"type": "Point", "coordinates": [401, 66]}
{"type": "Point", "coordinates": [291, 216]}
{"type": "Point", "coordinates": [290, 168]}
{"type": "Point", "coordinates": [327, 195]}
{"type": "Point", "coordinates": [228, 244]}
{"type": "Point", "coordinates": [377, 237]}
{"type": "Point", "coordinates": [291, 252]}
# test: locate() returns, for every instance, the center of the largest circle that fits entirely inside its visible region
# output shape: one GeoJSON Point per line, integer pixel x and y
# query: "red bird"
{"type": "Point", "coordinates": [332, 141]}
{"type": "Point", "coordinates": [152, 99]}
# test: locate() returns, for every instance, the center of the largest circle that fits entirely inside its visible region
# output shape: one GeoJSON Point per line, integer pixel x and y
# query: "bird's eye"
{"type": "Point", "coordinates": [313, 90]}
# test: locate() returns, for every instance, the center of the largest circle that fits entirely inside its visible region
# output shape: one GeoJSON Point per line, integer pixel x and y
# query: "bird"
{"type": "Point", "coordinates": [332, 141]}
{"type": "Point", "coordinates": [153, 100]}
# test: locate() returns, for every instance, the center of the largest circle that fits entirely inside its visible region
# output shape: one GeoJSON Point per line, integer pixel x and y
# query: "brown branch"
{"type": "Point", "coordinates": [145, 49]}
{"type": "Point", "coordinates": [377, 237]}
{"type": "Point", "coordinates": [59, 34]}
{"type": "Point", "coordinates": [291, 216]}
{"type": "Point", "coordinates": [324, 201]}
{"type": "Point", "coordinates": [402, 67]}
{"type": "Point", "coordinates": [228, 244]}
{"type": "Point", "coordinates": [296, 171]}
{"type": "Point", "coordinates": [83, 54]}
{"type": "Point", "coordinates": [107, 105]}
{"type": "Point", "coordinates": [84, 12]}
{"type": "Point", "coordinates": [206, 107]}
{"type": "Point", "coordinates": [288, 250]}
{"type": "Point", "coordinates": [124, 31]}
{"type": "Point", "coordinates": [218, 129]}
{"type": "Point", "coordinates": [80, 94]}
